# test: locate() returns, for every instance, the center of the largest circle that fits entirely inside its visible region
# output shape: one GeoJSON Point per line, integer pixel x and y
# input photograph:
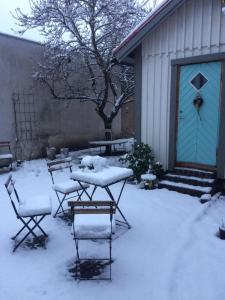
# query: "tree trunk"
{"type": "Point", "coordinates": [108, 137]}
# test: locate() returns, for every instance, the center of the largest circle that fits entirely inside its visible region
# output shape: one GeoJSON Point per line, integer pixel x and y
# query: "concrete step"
{"type": "Point", "coordinates": [194, 172]}
{"type": "Point", "coordinates": [184, 188]}
{"type": "Point", "coordinates": [191, 180]}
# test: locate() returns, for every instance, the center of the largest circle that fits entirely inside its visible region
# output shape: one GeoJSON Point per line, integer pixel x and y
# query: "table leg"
{"type": "Point", "coordinates": [116, 204]}
{"type": "Point", "coordinates": [84, 190]}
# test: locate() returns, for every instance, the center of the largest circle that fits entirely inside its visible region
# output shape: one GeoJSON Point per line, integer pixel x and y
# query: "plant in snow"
{"type": "Point", "coordinates": [80, 38]}
{"type": "Point", "coordinates": [157, 169]}
{"type": "Point", "coordinates": [141, 161]}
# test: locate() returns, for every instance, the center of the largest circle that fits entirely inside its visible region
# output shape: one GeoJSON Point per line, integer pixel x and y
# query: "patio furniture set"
{"type": "Point", "coordinates": [93, 219]}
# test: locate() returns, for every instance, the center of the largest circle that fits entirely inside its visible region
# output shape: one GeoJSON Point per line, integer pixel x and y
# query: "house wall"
{"type": "Point", "coordinates": [195, 28]}
{"type": "Point", "coordinates": [58, 123]}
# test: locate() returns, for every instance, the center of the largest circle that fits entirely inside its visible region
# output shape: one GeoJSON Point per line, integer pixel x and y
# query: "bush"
{"type": "Point", "coordinates": [141, 161]}
{"type": "Point", "coordinates": [157, 169]}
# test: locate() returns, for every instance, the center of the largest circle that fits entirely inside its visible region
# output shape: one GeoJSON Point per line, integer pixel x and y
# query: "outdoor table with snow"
{"type": "Point", "coordinates": [104, 178]}
{"type": "Point", "coordinates": [113, 143]}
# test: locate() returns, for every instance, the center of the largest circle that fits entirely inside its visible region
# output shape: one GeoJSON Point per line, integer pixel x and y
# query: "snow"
{"type": "Point", "coordinates": [206, 197]}
{"type": "Point", "coordinates": [148, 177]}
{"type": "Point", "coordinates": [6, 156]}
{"type": "Point", "coordinates": [171, 252]}
{"type": "Point", "coordinates": [104, 177]}
{"type": "Point", "coordinates": [95, 226]}
{"type": "Point", "coordinates": [36, 205]}
{"type": "Point", "coordinates": [68, 187]}
{"type": "Point", "coordinates": [209, 180]}
{"type": "Point", "coordinates": [204, 189]}
{"type": "Point", "coordinates": [195, 170]}
{"type": "Point", "coordinates": [112, 142]}
{"type": "Point", "coordinates": [95, 163]}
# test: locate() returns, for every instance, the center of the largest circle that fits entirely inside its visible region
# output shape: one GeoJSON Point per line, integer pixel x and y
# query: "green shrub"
{"type": "Point", "coordinates": [157, 169]}
{"type": "Point", "coordinates": [141, 161]}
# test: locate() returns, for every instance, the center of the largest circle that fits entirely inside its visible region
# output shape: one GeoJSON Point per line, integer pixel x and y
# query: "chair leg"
{"type": "Point", "coordinates": [37, 225]}
{"type": "Point", "coordinates": [15, 236]}
{"type": "Point", "coordinates": [30, 230]}
{"type": "Point", "coordinates": [60, 205]}
{"type": "Point", "coordinates": [24, 238]}
{"type": "Point", "coordinates": [110, 258]}
{"type": "Point", "coordinates": [76, 242]}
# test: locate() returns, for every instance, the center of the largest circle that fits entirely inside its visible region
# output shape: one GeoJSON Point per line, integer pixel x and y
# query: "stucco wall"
{"type": "Point", "coordinates": [195, 28]}
{"type": "Point", "coordinates": [58, 123]}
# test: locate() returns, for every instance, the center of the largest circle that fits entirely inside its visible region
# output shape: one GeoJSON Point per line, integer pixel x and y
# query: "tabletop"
{"type": "Point", "coordinates": [102, 178]}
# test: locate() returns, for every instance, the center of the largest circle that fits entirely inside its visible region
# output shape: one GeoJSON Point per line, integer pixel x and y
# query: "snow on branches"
{"type": "Point", "coordinates": [80, 38]}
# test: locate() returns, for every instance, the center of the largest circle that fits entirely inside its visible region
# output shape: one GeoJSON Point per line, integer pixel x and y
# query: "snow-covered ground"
{"type": "Point", "coordinates": [171, 252]}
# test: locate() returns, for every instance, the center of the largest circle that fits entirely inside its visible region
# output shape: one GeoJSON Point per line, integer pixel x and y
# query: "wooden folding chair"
{"type": "Point", "coordinates": [93, 220]}
{"type": "Point", "coordinates": [67, 189]}
{"type": "Point", "coordinates": [33, 210]}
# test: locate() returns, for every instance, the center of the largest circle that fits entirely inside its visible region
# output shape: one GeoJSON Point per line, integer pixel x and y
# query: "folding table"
{"type": "Point", "coordinates": [104, 179]}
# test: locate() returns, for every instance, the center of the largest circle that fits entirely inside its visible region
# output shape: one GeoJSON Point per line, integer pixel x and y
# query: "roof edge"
{"type": "Point", "coordinates": [134, 39]}
{"type": "Point", "coordinates": [20, 38]}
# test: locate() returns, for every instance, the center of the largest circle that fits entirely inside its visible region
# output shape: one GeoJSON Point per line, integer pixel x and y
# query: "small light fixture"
{"type": "Point", "coordinates": [223, 6]}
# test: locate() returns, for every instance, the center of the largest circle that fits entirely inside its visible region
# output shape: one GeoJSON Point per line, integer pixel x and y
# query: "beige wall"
{"type": "Point", "coordinates": [70, 124]}
{"type": "Point", "coordinates": [196, 28]}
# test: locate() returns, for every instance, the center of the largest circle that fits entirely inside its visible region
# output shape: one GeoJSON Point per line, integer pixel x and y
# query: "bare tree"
{"type": "Point", "coordinates": [80, 36]}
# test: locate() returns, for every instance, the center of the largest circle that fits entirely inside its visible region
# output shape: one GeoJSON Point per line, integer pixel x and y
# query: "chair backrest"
{"type": "Point", "coordinates": [12, 192]}
{"type": "Point", "coordinates": [92, 207]}
{"type": "Point", "coordinates": [58, 165]}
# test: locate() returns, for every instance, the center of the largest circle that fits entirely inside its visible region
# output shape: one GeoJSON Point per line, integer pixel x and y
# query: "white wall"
{"type": "Point", "coordinates": [196, 28]}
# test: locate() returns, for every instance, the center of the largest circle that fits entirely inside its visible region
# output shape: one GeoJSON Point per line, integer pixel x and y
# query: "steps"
{"type": "Point", "coordinates": [190, 181]}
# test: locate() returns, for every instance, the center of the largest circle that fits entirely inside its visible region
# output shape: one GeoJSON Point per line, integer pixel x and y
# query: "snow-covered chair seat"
{"type": "Point", "coordinates": [93, 220]}
{"type": "Point", "coordinates": [6, 156]}
{"type": "Point", "coordinates": [93, 226]}
{"type": "Point", "coordinates": [37, 205]}
{"type": "Point", "coordinates": [68, 187]}
{"type": "Point", "coordinates": [30, 212]}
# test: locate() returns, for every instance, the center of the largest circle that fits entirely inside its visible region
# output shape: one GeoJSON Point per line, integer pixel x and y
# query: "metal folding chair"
{"type": "Point", "coordinates": [67, 189]}
{"type": "Point", "coordinates": [93, 220]}
{"type": "Point", "coordinates": [30, 212]}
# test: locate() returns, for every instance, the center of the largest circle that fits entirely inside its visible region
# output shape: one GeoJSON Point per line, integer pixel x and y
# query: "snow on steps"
{"type": "Point", "coordinates": [193, 180]}
{"type": "Point", "coordinates": [187, 186]}
{"type": "Point", "coordinates": [189, 181]}
{"type": "Point", "coordinates": [194, 172]}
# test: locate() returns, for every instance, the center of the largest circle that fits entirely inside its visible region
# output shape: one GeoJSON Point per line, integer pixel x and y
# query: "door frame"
{"type": "Point", "coordinates": [174, 101]}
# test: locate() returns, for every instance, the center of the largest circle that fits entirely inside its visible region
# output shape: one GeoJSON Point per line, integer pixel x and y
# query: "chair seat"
{"type": "Point", "coordinates": [6, 156]}
{"type": "Point", "coordinates": [37, 205]}
{"type": "Point", "coordinates": [93, 226]}
{"type": "Point", "coordinates": [68, 187]}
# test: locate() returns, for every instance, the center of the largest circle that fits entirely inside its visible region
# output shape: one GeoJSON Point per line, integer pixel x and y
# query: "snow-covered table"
{"type": "Point", "coordinates": [104, 179]}
{"type": "Point", "coordinates": [113, 143]}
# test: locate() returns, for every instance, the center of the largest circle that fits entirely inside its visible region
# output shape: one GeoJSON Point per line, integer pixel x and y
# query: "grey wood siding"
{"type": "Point", "coordinates": [196, 28]}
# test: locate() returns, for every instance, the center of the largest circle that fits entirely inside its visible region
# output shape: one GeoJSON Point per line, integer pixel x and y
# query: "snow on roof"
{"type": "Point", "coordinates": [157, 9]}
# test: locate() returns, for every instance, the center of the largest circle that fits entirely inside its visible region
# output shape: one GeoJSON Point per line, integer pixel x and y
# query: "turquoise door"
{"type": "Point", "coordinates": [198, 113]}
